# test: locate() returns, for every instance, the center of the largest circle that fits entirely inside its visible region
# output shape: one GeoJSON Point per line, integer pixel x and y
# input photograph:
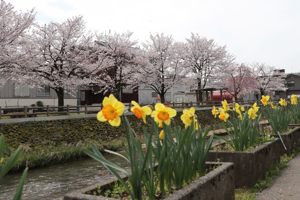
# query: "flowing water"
{"type": "Point", "coordinates": [54, 181]}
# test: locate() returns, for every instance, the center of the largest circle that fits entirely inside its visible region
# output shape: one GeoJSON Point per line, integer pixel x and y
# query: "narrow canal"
{"type": "Point", "coordinates": [54, 181]}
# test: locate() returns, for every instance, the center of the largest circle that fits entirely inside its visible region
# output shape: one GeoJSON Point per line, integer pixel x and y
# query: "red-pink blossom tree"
{"type": "Point", "coordinates": [239, 80]}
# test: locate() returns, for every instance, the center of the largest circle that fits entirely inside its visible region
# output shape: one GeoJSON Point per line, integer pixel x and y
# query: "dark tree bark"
{"type": "Point", "coordinates": [60, 96]}
{"type": "Point", "coordinates": [199, 92]}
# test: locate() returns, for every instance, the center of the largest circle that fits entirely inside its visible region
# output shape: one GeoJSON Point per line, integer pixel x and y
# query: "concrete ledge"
{"type": "Point", "coordinates": [291, 139]}
{"type": "Point", "coordinates": [250, 166]}
{"type": "Point", "coordinates": [218, 184]}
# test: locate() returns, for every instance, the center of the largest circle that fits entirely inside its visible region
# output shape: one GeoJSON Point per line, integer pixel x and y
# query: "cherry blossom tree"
{"type": "Point", "coordinates": [63, 57]}
{"type": "Point", "coordinates": [121, 59]}
{"type": "Point", "coordinates": [268, 79]}
{"type": "Point", "coordinates": [14, 25]}
{"type": "Point", "coordinates": [166, 61]}
{"type": "Point", "coordinates": [204, 57]}
{"type": "Point", "coordinates": [238, 79]}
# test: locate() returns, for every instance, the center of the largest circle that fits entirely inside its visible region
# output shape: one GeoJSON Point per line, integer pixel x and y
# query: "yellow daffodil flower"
{"type": "Point", "coordinates": [252, 113]}
{"type": "Point", "coordinates": [188, 117]}
{"type": "Point", "coordinates": [242, 108]}
{"type": "Point", "coordinates": [273, 106]}
{"type": "Point", "coordinates": [111, 111]}
{"type": "Point", "coordinates": [162, 135]}
{"type": "Point", "coordinates": [223, 116]}
{"type": "Point", "coordinates": [294, 99]}
{"type": "Point", "coordinates": [264, 100]}
{"type": "Point", "coordinates": [255, 107]}
{"type": "Point", "coordinates": [163, 114]}
{"type": "Point", "coordinates": [225, 105]}
{"type": "Point", "coordinates": [214, 111]}
{"type": "Point", "coordinates": [282, 102]}
{"type": "Point", "coordinates": [237, 109]}
{"type": "Point", "coordinates": [140, 112]}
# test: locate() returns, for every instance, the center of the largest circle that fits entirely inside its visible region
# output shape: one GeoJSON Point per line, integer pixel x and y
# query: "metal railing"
{"type": "Point", "coordinates": [35, 111]}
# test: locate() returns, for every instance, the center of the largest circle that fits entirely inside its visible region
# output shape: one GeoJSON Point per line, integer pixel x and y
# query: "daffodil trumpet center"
{"type": "Point", "coordinates": [163, 116]}
{"type": "Point", "coordinates": [138, 113]}
{"type": "Point", "coordinates": [109, 112]}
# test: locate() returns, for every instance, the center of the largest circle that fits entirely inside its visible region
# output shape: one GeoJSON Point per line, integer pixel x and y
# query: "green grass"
{"type": "Point", "coordinates": [59, 154]}
{"type": "Point", "coordinates": [250, 193]}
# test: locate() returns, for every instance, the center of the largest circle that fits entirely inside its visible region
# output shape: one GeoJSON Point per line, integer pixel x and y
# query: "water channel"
{"type": "Point", "coordinates": [54, 181]}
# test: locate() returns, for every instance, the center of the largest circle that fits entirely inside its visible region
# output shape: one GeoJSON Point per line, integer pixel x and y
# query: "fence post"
{"type": "Point", "coordinates": [0, 112]}
{"type": "Point", "coordinates": [25, 110]}
{"type": "Point", "coordinates": [47, 110]}
{"type": "Point", "coordinates": [67, 109]}
{"type": "Point", "coordinates": [85, 109]}
{"type": "Point", "coordinates": [78, 109]}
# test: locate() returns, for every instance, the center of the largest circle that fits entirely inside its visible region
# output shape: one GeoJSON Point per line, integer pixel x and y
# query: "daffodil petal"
{"type": "Point", "coordinates": [159, 106]}
{"type": "Point", "coordinates": [192, 110]}
{"type": "Point", "coordinates": [119, 107]}
{"type": "Point", "coordinates": [144, 119]}
{"type": "Point", "coordinates": [115, 122]}
{"type": "Point", "coordinates": [168, 122]}
{"type": "Point", "coordinates": [105, 101]}
{"type": "Point", "coordinates": [147, 110]}
{"type": "Point", "coordinates": [112, 98]}
{"type": "Point", "coordinates": [134, 103]}
{"type": "Point", "coordinates": [172, 112]}
{"type": "Point", "coordinates": [100, 117]}
{"type": "Point", "coordinates": [154, 114]}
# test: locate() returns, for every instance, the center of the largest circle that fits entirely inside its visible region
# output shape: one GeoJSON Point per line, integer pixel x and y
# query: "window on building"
{"type": "Point", "coordinates": [21, 90]}
{"type": "Point", "coordinates": [43, 92]}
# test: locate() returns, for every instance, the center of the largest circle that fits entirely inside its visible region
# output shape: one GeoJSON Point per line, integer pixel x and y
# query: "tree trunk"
{"type": "Point", "coordinates": [262, 92]}
{"type": "Point", "coordinates": [199, 92]}
{"type": "Point", "coordinates": [235, 97]}
{"type": "Point", "coordinates": [60, 96]}
{"type": "Point", "coordinates": [162, 98]}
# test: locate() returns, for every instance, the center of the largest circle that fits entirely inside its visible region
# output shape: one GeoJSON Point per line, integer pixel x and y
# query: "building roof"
{"type": "Point", "coordinates": [294, 74]}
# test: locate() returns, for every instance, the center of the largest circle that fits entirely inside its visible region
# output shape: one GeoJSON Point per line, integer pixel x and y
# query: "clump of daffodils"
{"type": "Point", "coordinates": [113, 109]}
{"type": "Point", "coordinates": [184, 147]}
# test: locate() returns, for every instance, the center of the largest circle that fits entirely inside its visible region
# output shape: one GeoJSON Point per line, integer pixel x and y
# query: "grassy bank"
{"type": "Point", "coordinates": [51, 142]}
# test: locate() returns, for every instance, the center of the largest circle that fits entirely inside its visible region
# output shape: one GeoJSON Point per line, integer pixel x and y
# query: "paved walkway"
{"type": "Point", "coordinates": [286, 186]}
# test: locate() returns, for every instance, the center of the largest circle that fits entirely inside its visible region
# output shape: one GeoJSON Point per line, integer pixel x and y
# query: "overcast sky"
{"type": "Point", "coordinates": [266, 31]}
